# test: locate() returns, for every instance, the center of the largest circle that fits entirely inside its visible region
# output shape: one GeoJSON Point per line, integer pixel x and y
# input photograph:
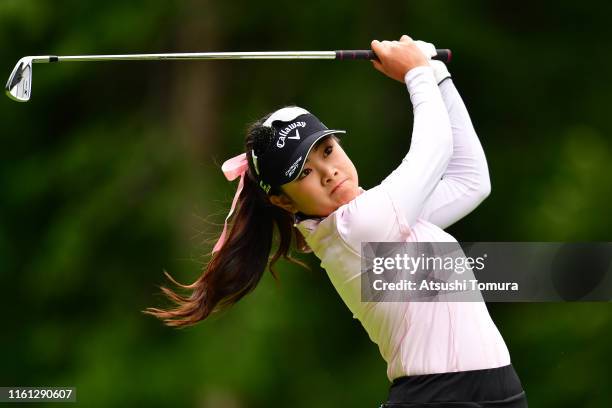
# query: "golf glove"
{"type": "Point", "coordinates": [439, 68]}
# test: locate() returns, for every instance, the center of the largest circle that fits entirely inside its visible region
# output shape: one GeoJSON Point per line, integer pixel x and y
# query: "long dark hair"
{"type": "Point", "coordinates": [236, 269]}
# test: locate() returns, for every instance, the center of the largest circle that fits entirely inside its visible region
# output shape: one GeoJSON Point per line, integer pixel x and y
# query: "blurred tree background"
{"type": "Point", "coordinates": [111, 174]}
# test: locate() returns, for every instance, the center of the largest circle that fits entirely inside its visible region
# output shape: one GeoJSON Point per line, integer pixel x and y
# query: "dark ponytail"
{"type": "Point", "coordinates": [236, 269]}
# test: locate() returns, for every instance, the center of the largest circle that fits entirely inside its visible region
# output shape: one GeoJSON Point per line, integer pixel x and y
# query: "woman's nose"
{"type": "Point", "coordinates": [329, 174]}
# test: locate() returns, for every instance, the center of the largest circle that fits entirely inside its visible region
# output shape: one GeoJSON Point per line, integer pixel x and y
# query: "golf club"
{"type": "Point", "coordinates": [19, 84]}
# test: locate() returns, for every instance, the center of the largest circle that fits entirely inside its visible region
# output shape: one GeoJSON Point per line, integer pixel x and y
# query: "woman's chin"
{"type": "Point", "coordinates": [347, 194]}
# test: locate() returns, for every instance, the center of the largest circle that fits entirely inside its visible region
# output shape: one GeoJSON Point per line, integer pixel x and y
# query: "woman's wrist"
{"type": "Point", "coordinates": [414, 72]}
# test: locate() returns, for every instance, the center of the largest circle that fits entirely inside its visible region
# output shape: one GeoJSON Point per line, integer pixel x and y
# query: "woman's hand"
{"type": "Point", "coordinates": [396, 58]}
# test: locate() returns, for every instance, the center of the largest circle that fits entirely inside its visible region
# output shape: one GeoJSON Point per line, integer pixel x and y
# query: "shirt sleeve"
{"type": "Point", "coordinates": [411, 184]}
{"type": "Point", "coordinates": [465, 183]}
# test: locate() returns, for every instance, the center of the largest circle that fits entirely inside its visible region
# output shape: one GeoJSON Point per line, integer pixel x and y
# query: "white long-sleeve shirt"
{"type": "Point", "coordinates": [442, 178]}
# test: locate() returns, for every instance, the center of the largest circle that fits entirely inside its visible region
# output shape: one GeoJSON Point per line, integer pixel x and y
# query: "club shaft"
{"type": "Point", "coordinates": [443, 55]}
{"type": "Point", "coordinates": [192, 56]}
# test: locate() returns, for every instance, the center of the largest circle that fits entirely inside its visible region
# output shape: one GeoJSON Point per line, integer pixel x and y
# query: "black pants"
{"type": "Point", "coordinates": [492, 387]}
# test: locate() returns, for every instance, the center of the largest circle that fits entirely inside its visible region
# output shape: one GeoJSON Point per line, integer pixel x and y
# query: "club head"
{"type": "Point", "coordinates": [19, 84]}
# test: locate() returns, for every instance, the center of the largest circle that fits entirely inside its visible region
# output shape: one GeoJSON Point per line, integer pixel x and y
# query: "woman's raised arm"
{"type": "Point", "coordinates": [400, 198]}
{"type": "Point", "coordinates": [465, 183]}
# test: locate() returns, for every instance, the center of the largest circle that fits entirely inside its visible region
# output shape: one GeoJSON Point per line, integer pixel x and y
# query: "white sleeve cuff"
{"type": "Point", "coordinates": [420, 71]}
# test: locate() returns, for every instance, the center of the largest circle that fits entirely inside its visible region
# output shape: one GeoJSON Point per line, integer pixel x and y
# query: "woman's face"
{"type": "Point", "coordinates": [327, 181]}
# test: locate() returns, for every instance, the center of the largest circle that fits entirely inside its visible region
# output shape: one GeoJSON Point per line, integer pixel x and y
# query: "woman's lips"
{"type": "Point", "coordinates": [339, 184]}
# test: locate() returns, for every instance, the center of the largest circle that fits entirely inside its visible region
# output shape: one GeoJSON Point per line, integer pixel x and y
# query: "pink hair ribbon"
{"type": "Point", "coordinates": [232, 168]}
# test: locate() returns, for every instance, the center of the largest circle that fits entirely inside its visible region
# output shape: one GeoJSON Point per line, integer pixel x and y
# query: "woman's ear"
{"type": "Point", "coordinates": [283, 201]}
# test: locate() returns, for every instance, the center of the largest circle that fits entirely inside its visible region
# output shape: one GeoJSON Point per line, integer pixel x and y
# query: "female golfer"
{"type": "Point", "coordinates": [295, 175]}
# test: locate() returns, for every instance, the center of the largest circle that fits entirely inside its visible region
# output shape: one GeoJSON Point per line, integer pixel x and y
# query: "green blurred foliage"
{"type": "Point", "coordinates": [110, 174]}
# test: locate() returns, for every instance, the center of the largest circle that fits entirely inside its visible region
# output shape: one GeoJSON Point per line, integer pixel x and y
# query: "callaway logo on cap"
{"type": "Point", "coordinates": [295, 132]}
{"type": "Point", "coordinates": [281, 139]}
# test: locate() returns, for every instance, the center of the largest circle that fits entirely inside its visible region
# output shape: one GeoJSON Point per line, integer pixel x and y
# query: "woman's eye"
{"type": "Point", "coordinates": [305, 172]}
{"type": "Point", "coordinates": [329, 149]}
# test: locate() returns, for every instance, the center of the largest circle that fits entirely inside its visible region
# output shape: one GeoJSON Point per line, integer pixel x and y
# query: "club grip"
{"type": "Point", "coordinates": [443, 55]}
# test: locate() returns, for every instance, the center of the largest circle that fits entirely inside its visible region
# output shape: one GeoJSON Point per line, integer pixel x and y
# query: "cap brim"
{"type": "Point", "coordinates": [306, 147]}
